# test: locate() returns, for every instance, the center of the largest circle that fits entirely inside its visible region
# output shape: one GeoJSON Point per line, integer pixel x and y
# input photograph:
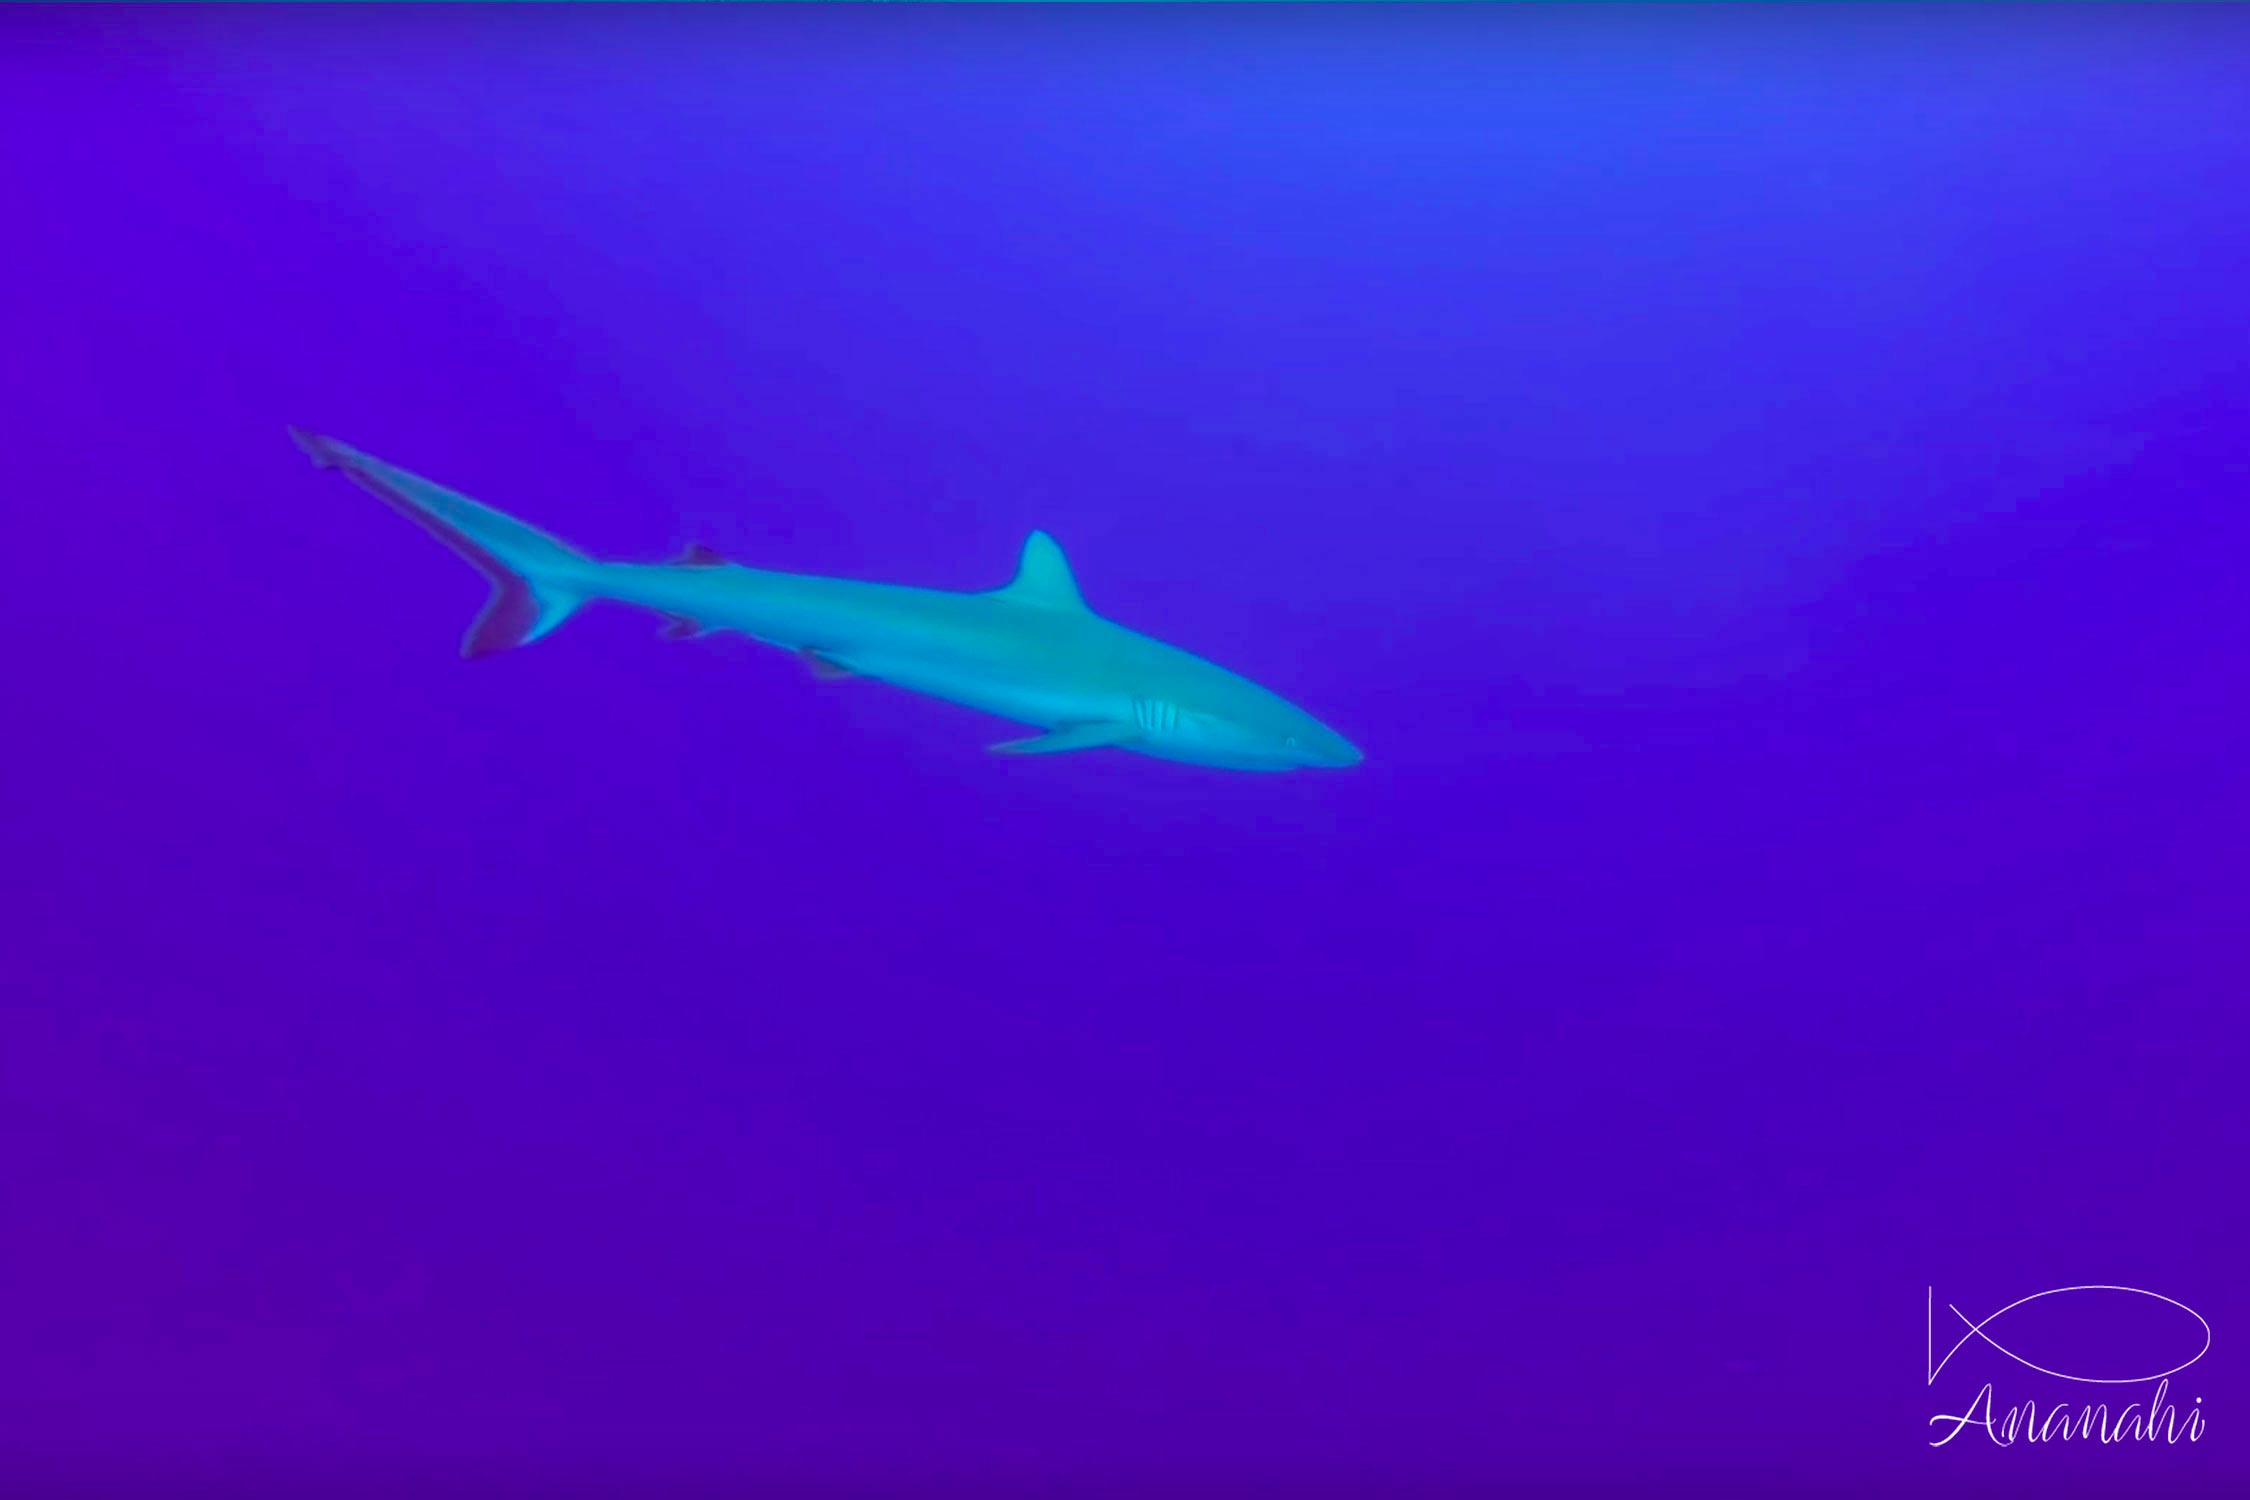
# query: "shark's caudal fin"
{"type": "Point", "coordinates": [537, 581]}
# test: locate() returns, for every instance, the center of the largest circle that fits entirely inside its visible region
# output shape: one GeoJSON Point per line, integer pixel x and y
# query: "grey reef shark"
{"type": "Point", "coordinates": [1030, 651]}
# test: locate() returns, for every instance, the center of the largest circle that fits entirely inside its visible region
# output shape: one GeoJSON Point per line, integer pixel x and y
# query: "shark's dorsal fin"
{"type": "Point", "coordinates": [1043, 576]}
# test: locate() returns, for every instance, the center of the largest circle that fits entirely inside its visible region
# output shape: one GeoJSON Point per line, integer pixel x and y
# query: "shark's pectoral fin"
{"type": "Point", "coordinates": [826, 668]}
{"type": "Point", "coordinates": [1069, 737]}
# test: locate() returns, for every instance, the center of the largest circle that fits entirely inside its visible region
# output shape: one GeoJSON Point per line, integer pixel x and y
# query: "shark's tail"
{"type": "Point", "coordinates": [537, 581]}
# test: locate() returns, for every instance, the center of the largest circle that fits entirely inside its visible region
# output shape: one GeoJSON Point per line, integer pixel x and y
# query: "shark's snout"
{"type": "Point", "coordinates": [1325, 749]}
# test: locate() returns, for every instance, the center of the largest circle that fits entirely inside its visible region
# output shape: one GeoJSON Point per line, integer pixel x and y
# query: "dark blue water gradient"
{"type": "Point", "coordinates": [1766, 488]}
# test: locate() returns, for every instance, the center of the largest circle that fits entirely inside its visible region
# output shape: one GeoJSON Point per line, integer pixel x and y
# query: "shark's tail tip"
{"type": "Point", "coordinates": [322, 451]}
{"type": "Point", "coordinates": [537, 581]}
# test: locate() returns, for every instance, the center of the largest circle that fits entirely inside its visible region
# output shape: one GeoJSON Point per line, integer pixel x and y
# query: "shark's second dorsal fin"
{"type": "Point", "coordinates": [1043, 576]}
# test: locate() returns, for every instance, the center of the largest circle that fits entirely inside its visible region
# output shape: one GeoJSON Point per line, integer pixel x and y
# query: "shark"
{"type": "Point", "coordinates": [1031, 651]}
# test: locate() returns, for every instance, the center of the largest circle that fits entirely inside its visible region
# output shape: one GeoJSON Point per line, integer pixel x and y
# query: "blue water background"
{"type": "Point", "coordinates": [1767, 489]}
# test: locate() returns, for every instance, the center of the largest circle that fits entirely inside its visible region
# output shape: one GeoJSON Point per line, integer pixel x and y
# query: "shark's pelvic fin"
{"type": "Point", "coordinates": [1043, 576]}
{"type": "Point", "coordinates": [1069, 737]}
{"type": "Point", "coordinates": [537, 581]}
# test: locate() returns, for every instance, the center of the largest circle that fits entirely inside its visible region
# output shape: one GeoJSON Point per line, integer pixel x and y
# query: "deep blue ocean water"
{"type": "Point", "coordinates": [1766, 488]}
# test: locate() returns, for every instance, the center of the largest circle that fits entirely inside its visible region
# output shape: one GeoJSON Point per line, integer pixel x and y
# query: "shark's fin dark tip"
{"type": "Point", "coordinates": [316, 447]}
{"type": "Point", "coordinates": [518, 612]}
{"type": "Point", "coordinates": [824, 668]}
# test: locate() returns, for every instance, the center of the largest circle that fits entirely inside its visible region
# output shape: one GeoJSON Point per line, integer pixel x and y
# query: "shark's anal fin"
{"type": "Point", "coordinates": [1069, 737]}
{"type": "Point", "coordinates": [827, 669]}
